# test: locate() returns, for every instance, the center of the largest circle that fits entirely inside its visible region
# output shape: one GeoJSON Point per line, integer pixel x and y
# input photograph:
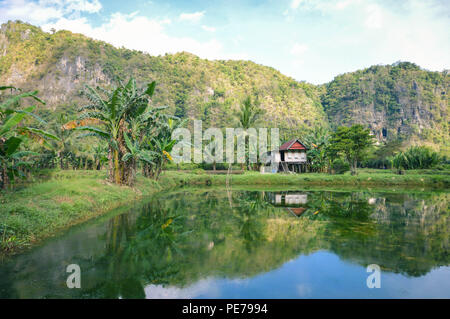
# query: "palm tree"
{"type": "Point", "coordinates": [248, 114]}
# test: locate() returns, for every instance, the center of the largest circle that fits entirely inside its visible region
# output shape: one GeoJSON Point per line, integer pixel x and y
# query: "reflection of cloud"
{"type": "Point", "coordinates": [206, 287]}
{"type": "Point", "coordinates": [303, 290]}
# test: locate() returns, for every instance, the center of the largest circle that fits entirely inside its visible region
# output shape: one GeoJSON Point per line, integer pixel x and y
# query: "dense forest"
{"type": "Point", "coordinates": [401, 103]}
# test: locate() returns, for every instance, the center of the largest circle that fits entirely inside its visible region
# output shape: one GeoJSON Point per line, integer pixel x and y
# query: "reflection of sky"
{"type": "Point", "coordinates": [319, 275]}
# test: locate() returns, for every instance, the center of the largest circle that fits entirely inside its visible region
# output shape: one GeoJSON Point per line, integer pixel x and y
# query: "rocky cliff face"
{"type": "Point", "coordinates": [398, 102]}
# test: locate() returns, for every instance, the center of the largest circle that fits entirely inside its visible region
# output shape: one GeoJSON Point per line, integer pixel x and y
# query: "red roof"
{"type": "Point", "coordinates": [294, 144]}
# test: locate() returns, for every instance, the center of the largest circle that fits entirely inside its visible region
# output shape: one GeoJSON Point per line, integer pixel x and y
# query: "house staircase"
{"type": "Point", "coordinates": [285, 167]}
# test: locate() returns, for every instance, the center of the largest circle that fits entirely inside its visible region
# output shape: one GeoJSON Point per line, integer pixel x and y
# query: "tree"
{"type": "Point", "coordinates": [12, 135]}
{"type": "Point", "coordinates": [352, 143]}
{"type": "Point", "coordinates": [317, 141]}
{"type": "Point", "coordinates": [65, 144]}
{"type": "Point", "coordinates": [248, 114]}
{"type": "Point", "coordinates": [160, 143]}
{"type": "Point", "coordinates": [110, 116]}
{"type": "Point", "coordinates": [100, 155]}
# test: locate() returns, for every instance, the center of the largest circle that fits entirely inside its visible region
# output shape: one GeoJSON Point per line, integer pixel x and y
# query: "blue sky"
{"type": "Point", "coordinates": [310, 40]}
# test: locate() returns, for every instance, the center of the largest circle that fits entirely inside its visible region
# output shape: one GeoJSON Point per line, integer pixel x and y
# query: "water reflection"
{"type": "Point", "coordinates": [293, 202]}
{"type": "Point", "coordinates": [193, 244]}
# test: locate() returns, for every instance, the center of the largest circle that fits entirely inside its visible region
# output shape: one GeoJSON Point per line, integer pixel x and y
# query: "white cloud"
{"type": "Point", "coordinates": [192, 17]}
{"type": "Point", "coordinates": [417, 36]}
{"type": "Point", "coordinates": [374, 16]}
{"type": "Point", "coordinates": [321, 5]}
{"type": "Point", "coordinates": [298, 52]}
{"type": "Point", "coordinates": [209, 29]}
{"type": "Point", "coordinates": [44, 10]}
{"type": "Point", "coordinates": [121, 30]}
{"type": "Point", "coordinates": [92, 6]}
{"type": "Point", "coordinates": [370, 32]}
{"type": "Point", "coordinates": [295, 3]}
{"type": "Point", "coordinates": [298, 49]}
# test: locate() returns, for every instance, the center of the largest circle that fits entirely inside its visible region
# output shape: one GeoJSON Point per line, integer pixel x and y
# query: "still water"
{"type": "Point", "coordinates": [214, 243]}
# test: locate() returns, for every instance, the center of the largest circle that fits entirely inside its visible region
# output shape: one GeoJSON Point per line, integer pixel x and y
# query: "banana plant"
{"type": "Point", "coordinates": [161, 144]}
{"type": "Point", "coordinates": [109, 116]}
{"type": "Point", "coordinates": [317, 142]}
{"type": "Point", "coordinates": [12, 135]}
{"type": "Point", "coordinates": [100, 156]}
{"type": "Point", "coordinates": [136, 153]}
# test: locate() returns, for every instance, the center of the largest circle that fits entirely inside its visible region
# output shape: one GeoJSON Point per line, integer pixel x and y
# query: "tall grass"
{"type": "Point", "coordinates": [416, 157]}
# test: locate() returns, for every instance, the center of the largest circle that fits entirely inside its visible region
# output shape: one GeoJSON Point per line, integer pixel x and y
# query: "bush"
{"type": "Point", "coordinates": [181, 166]}
{"type": "Point", "coordinates": [199, 171]}
{"type": "Point", "coordinates": [339, 166]}
{"type": "Point", "coordinates": [416, 157]}
{"type": "Point", "coordinates": [219, 166]}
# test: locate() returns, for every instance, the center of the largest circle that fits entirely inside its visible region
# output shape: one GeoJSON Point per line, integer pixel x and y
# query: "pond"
{"type": "Point", "coordinates": [218, 243]}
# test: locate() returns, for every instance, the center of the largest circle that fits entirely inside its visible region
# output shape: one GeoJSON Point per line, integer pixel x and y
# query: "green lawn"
{"type": "Point", "coordinates": [366, 177]}
{"type": "Point", "coordinates": [59, 199]}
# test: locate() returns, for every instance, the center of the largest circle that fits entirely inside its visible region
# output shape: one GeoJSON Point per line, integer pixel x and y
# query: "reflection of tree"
{"type": "Point", "coordinates": [406, 233]}
{"type": "Point", "coordinates": [391, 232]}
{"type": "Point", "coordinates": [179, 241]}
{"type": "Point", "coordinates": [140, 253]}
{"type": "Point", "coordinates": [249, 215]}
{"type": "Point", "coordinates": [181, 237]}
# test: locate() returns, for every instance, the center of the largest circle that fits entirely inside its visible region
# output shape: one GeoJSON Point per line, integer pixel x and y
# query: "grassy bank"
{"type": "Point", "coordinates": [366, 177]}
{"type": "Point", "coordinates": [57, 200]}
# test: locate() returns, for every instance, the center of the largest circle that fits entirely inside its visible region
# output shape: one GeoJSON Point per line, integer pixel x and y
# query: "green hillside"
{"type": "Point", "coordinates": [399, 102]}
{"type": "Point", "coordinates": [59, 64]}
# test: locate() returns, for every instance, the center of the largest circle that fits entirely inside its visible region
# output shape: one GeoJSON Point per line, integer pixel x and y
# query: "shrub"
{"type": "Point", "coordinates": [340, 166]}
{"type": "Point", "coordinates": [416, 157]}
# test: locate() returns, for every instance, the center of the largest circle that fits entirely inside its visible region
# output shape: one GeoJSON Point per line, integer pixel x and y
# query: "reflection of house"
{"type": "Point", "coordinates": [291, 199]}
{"type": "Point", "coordinates": [291, 157]}
{"type": "Point", "coordinates": [296, 211]}
{"type": "Point", "coordinates": [293, 202]}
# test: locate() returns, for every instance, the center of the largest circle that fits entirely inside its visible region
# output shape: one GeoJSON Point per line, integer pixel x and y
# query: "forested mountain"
{"type": "Point", "coordinates": [399, 101]}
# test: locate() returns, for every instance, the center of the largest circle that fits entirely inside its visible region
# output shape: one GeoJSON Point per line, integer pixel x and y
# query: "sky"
{"type": "Point", "coordinates": [309, 40]}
